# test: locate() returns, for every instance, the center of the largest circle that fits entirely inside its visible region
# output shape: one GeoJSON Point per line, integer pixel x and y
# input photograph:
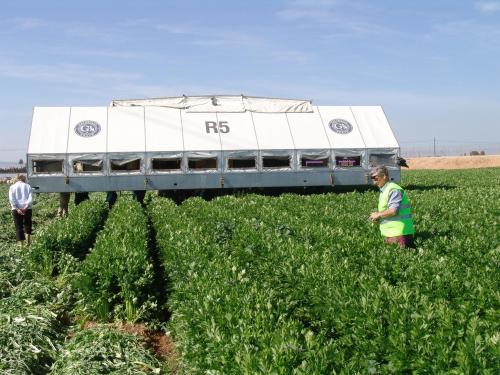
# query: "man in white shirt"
{"type": "Point", "coordinates": [21, 201]}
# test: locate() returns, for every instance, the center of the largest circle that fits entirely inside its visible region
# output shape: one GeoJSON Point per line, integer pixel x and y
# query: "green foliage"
{"type": "Point", "coordinates": [104, 350]}
{"type": "Point", "coordinates": [34, 308]}
{"type": "Point", "coordinates": [260, 285]}
{"type": "Point", "coordinates": [117, 275]}
{"type": "Point", "coordinates": [58, 243]}
{"type": "Point", "coordinates": [30, 308]}
{"type": "Point", "coordinates": [44, 209]}
{"type": "Point", "coordinates": [29, 330]}
{"type": "Point", "coordinates": [305, 285]}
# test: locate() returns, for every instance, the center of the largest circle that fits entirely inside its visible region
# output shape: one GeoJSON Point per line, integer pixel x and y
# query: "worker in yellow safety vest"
{"type": "Point", "coordinates": [394, 214]}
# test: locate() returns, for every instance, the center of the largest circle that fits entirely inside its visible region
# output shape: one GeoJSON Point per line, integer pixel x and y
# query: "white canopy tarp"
{"type": "Point", "coordinates": [374, 127]}
{"type": "Point", "coordinates": [307, 130]}
{"type": "Point", "coordinates": [78, 144]}
{"type": "Point", "coordinates": [164, 131]}
{"type": "Point", "coordinates": [241, 136]}
{"type": "Point", "coordinates": [272, 130]}
{"type": "Point", "coordinates": [139, 129]}
{"type": "Point", "coordinates": [49, 130]}
{"type": "Point", "coordinates": [350, 138]}
{"type": "Point", "coordinates": [222, 103]}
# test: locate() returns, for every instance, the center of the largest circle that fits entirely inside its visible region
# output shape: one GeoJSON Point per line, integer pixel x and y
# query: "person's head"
{"type": "Point", "coordinates": [379, 175]}
{"type": "Point", "coordinates": [78, 166]}
{"type": "Point", "coordinates": [21, 177]}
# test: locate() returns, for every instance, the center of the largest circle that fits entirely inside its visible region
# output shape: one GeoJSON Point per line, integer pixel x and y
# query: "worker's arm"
{"type": "Point", "coordinates": [375, 216]}
{"type": "Point", "coordinates": [30, 197]}
{"type": "Point", "coordinates": [395, 198]}
{"type": "Point", "coordinates": [14, 202]}
{"type": "Point", "coordinates": [12, 199]}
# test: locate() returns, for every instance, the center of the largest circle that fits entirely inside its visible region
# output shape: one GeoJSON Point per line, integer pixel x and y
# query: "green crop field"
{"type": "Point", "coordinates": [252, 284]}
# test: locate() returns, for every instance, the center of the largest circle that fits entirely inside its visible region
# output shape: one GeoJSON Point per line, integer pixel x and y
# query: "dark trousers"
{"type": "Point", "coordinates": [111, 197]}
{"type": "Point", "coordinates": [403, 241]}
{"type": "Point", "coordinates": [80, 197]}
{"type": "Point", "coordinates": [22, 223]}
{"type": "Point", "coordinates": [139, 195]}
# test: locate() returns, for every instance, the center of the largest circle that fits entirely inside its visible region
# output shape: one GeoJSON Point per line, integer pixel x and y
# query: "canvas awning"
{"type": "Point", "coordinates": [221, 103]}
{"type": "Point", "coordinates": [136, 128]}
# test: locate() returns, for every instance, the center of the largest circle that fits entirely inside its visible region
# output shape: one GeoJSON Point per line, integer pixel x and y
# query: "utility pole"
{"type": "Point", "coordinates": [434, 146]}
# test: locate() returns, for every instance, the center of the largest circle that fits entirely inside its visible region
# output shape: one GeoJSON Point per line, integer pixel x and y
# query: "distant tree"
{"type": "Point", "coordinates": [474, 153]}
{"type": "Point", "coordinates": [21, 162]}
{"type": "Point", "coordinates": [482, 152]}
{"type": "Point", "coordinates": [13, 170]}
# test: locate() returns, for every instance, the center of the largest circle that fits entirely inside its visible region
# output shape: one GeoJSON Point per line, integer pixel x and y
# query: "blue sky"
{"type": "Point", "coordinates": [433, 65]}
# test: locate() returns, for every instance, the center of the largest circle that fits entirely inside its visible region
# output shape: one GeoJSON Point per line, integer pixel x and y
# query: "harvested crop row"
{"type": "Point", "coordinates": [30, 331]}
{"type": "Point", "coordinates": [29, 336]}
{"type": "Point", "coordinates": [103, 349]}
{"type": "Point", "coordinates": [117, 275]}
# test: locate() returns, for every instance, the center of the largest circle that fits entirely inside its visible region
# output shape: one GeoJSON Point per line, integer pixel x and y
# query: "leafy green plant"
{"type": "Point", "coordinates": [258, 285]}
{"type": "Point", "coordinates": [304, 284]}
{"type": "Point", "coordinates": [117, 275]}
{"type": "Point", "coordinates": [72, 235]}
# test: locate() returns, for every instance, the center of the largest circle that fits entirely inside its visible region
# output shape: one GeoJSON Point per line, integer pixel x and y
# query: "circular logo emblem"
{"type": "Point", "coordinates": [87, 128]}
{"type": "Point", "coordinates": [340, 126]}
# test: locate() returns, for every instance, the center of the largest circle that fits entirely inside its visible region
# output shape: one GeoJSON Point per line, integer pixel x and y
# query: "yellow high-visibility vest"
{"type": "Point", "coordinates": [400, 224]}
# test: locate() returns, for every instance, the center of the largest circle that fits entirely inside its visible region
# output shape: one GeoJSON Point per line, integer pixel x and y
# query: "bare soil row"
{"type": "Point", "coordinates": [454, 162]}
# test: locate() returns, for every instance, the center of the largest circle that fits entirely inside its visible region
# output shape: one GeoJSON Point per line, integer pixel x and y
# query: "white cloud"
{"type": "Point", "coordinates": [335, 18]}
{"type": "Point", "coordinates": [488, 6]}
{"type": "Point", "coordinates": [315, 15]}
{"type": "Point", "coordinates": [91, 85]}
{"type": "Point", "coordinates": [258, 44]}
{"type": "Point", "coordinates": [472, 28]}
{"type": "Point", "coordinates": [28, 23]}
{"type": "Point", "coordinates": [104, 53]}
{"type": "Point", "coordinates": [313, 3]}
{"type": "Point", "coordinates": [112, 33]}
{"type": "Point", "coordinates": [211, 36]}
{"type": "Point", "coordinates": [316, 11]}
{"type": "Point", "coordinates": [21, 24]}
{"type": "Point", "coordinates": [109, 34]}
{"type": "Point", "coordinates": [69, 74]}
{"type": "Point", "coordinates": [176, 29]}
